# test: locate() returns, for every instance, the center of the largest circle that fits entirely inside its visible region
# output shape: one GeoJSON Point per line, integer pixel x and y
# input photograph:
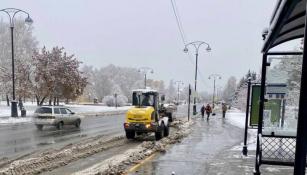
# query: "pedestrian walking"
{"type": "Point", "coordinates": [208, 110]}
{"type": "Point", "coordinates": [224, 109]}
{"type": "Point", "coordinates": [202, 110]}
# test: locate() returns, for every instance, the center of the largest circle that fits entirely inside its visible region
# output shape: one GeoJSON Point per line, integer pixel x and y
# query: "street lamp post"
{"type": "Point", "coordinates": [196, 45]}
{"type": "Point", "coordinates": [115, 95]}
{"type": "Point", "coordinates": [214, 77]}
{"type": "Point", "coordinates": [145, 71]}
{"type": "Point", "coordinates": [244, 150]}
{"type": "Point", "coordinates": [11, 12]}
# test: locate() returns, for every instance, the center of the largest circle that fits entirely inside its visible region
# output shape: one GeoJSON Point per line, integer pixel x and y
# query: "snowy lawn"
{"type": "Point", "coordinates": [237, 118]}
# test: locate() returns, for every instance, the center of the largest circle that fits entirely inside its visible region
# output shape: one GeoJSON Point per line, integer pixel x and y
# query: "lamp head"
{"type": "Point", "coordinates": [208, 49]}
{"type": "Point", "coordinates": [265, 32]}
{"type": "Point", "coordinates": [185, 50]}
{"type": "Point", "coordinates": [28, 20]}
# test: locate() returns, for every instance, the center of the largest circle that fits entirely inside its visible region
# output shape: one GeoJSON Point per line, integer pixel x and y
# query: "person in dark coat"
{"type": "Point", "coordinates": [202, 110]}
{"type": "Point", "coordinates": [208, 110]}
{"type": "Point", "coordinates": [224, 109]}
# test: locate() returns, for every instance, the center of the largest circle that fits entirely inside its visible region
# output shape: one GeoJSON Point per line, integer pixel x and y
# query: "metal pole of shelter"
{"type": "Point", "coordinates": [260, 119]}
{"type": "Point", "coordinates": [245, 150]}
{"type": "Point", "coordinates": [301, 141]}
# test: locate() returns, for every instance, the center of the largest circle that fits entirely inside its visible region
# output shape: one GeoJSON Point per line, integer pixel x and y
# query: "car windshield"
{"type": "Point", "coordinates": [143, 99]}
{"type": "Point", "coordinates": [43, 110]}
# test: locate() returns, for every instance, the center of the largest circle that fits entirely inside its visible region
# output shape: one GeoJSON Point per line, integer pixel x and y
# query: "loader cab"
{"type": "Point", "coordinates": [145, 98]}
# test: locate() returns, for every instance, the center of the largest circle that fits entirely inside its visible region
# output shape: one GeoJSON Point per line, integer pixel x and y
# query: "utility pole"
{"type": "Point", "coordinates": [115, 96]}
{"type": "Point", "coordinates": [178, 83]}
{"type": "Point", "coordinates": [214, 77]}
{"type": "Point", "coordinates": [145, 71]}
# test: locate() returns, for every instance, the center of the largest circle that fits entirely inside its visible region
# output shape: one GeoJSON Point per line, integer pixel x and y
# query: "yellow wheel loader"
{"type": "Point", "coordinates": [146, 115]}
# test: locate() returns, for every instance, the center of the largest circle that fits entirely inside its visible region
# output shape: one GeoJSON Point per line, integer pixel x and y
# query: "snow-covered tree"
{"type": "Point", "coordinates": [103, 81]}
{"type": "Point", "coordinates": [56, 76]}
{"type": "Point", "coordinates": [110, 100]}
{"type": "Point", "coordinates": [171, 91]}
{"type": "Point", "coordinates": [229, 89]}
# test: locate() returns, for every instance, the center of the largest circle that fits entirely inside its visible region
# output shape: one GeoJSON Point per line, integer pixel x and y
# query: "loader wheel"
{"type": "Point", "coordinates": [166, 131]}
{"type": "Point", "coordinates": [160, 133]}
{"type": "Point", "coordinates": [170, 117]}
{"type": "Point", "coordinates": [130, 134]}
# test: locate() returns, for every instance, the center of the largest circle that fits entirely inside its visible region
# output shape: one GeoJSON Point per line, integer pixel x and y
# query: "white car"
{"type": "Point", "coordinates": [55, 116]}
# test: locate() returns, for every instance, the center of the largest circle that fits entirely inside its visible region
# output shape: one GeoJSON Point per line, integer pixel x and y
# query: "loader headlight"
{"type": "Point", "coordinates": [147, 125]}
{"type": "Point", "coordinates": [126, 125]}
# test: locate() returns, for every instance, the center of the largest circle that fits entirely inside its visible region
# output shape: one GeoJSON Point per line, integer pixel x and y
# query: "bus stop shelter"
{"type": "Point", "coordinates": [287, 23]}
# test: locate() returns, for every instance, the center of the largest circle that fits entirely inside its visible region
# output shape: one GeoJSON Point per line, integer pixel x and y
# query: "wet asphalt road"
{"type": "Point", "coordinates": [20, 139]}
{"type": "Point", "coordinates": [196, 152]}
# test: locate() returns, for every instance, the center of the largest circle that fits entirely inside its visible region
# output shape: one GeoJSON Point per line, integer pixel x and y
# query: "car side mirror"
{"type": "Point", "coordinates": [72, 113]}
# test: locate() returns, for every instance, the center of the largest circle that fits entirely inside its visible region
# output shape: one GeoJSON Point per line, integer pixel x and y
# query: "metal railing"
{"type": "Point", "coordinates": [278, 150]}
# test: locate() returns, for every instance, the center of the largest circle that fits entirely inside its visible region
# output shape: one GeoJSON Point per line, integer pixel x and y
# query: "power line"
{"type": "Point", "coordinates": [178, 21]}
{"type": "Point", "coordinates": [183, 38]}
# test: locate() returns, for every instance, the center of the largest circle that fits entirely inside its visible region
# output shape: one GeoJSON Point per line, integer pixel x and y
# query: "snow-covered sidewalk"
{"type": "Point", "coordinates": [214, 147]}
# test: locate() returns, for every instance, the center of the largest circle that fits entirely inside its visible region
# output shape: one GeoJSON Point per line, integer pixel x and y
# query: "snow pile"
{"type": "Point", "coordinates": [52, 159]}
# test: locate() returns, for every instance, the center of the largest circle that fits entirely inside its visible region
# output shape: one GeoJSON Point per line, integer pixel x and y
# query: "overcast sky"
{"type": "Point", "coordinates": [136, 33]}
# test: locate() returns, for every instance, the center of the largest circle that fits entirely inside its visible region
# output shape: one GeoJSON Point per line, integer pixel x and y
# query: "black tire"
{"type": "Point", "coordinates": [59, 126]}
{"type": "Point", "coordinates": [166, 131]}
{"type": "Point", "coordinates": [160, 133]}
{"type": "Point", "coordinates": [39, 127]}
{"type": "Point", "coordinates": [170, 117]}
{"type": "Point", "coordinates": [130, 134]}
{"type": "Point", "coordinates": [77, 124]}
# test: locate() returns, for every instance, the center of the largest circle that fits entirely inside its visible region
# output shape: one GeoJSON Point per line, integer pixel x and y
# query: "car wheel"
{"type": "Point", "coordinates": [60, 125]}
{"type": "Point", "coordinates": [130, 134]}
{"type": "Point", "coordinates": [77, 124]}
{"type": "Point", "coordinates": [39, 127]}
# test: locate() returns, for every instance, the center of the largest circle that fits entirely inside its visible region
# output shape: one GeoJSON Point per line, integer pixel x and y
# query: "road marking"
{"type": "Point", "coordinates": [132, 169]}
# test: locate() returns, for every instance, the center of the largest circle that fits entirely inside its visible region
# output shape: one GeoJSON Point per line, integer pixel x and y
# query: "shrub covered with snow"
{"type": "Point", "coordinates": [111, 101]}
